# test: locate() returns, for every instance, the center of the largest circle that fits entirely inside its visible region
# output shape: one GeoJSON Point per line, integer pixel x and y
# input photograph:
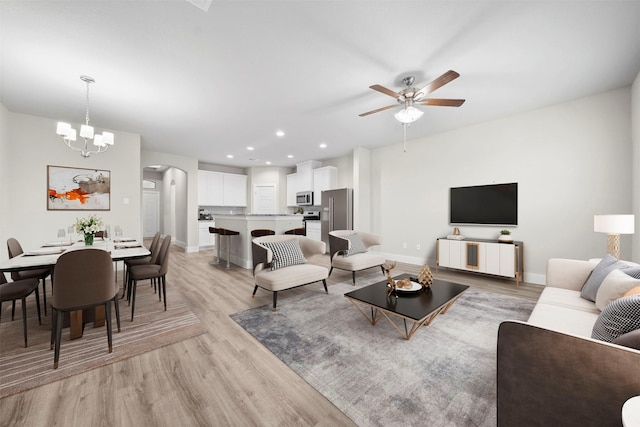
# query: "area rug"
{"type": "Point", "coordinates": [443, 376]}
{"type": "Point", "coordinates": [25, 368]}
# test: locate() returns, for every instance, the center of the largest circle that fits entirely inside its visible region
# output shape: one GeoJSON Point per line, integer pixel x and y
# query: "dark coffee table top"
{"type": "Point", "coordinates": [415, 306]}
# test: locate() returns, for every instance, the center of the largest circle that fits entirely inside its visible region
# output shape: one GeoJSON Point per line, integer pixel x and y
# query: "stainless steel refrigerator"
{"type": "Point", "coordinates": [336, 212]}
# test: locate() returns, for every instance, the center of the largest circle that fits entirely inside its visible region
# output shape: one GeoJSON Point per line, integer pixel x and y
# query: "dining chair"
{"type": "Point", "coordinates": [151, 259]}
{"type": "Point", "coordinates": [157, 270]}
{"type": "Point", "coordinates": [19, 290]}
{"type": "Point", "coordinates": [15, 249]}
{"type": "Point", "coordinates": [82, 279]}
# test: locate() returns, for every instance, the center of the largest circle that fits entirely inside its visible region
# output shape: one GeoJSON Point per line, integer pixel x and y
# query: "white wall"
{"type": "Point", "coordinates": [635, 130]}
{"type": "Point", "coordinates": [571, 161]}
{"type": "Point", "coordinates": [4, 177]}
{"type": "Point", "coordinates": [268, 175]}
{"type": "Point", "coordinates": [28, 145]}
{"type": "Point", "coordinates": [188, 195]}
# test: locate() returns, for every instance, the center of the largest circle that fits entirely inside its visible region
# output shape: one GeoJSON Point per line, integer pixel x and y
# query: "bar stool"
{"type": "Point", "coordinates": [262, 232]}
{"type": "Point", "coordinates": [223, 232]}
{"type": "Point", "coordinates": [297, 231]}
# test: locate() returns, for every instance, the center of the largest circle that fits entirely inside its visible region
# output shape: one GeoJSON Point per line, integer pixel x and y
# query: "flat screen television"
{"type": "Point", "coordinates": [495, 204]}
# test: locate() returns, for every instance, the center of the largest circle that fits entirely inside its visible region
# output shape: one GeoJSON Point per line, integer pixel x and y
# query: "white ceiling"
{"type": "Point", "coordinates": [208, 84]}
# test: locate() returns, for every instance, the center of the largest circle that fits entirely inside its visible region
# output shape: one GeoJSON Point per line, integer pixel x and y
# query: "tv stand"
{"type": "Point", "coordinates": [493, 257]}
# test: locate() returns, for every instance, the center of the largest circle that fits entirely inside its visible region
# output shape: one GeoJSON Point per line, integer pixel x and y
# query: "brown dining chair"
{"type": "Point", "coordinates": [82, 279]}
{"type": "Point", "coordinates": [19, 290]}
{"type": "Point", "coordinates": [262, 232]}
{"type": "Point", "coordinates": [15, 249]}
{"type": "Point", "coordinates": [99, 234]}
{"type": "Point", "coordinates": [151, 259]}
{"type": "Point", "coordinates": [157, 270]}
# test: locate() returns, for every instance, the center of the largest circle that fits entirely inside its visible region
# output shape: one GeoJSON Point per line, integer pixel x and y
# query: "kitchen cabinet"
{"type": "Point", "coordinates": [221, 189]}
{"type": "Point", "coordinates": [313, 230]}
{"type": "Point", "coordinates": [325, 178]}
{"type": "Point", "coordinates": [305, 174]}
{"type": "Point", "coordinates": [205, 239]}
{"type": "Point", "coordinates": [292, 189]}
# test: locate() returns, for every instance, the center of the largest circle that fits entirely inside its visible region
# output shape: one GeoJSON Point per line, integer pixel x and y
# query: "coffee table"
{"type": "Point", "coordinates": [419, 308]}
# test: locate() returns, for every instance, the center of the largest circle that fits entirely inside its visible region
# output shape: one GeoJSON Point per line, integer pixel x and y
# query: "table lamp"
{"type": "Point", "coordinates": [614, 226]}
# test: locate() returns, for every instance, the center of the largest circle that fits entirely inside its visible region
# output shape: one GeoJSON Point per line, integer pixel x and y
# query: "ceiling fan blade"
{"type": "Point", "coordinates": [378, 110]}
{"type": "Point", "coordinates": [384, 90]}
{"type": "Point", "coordinates": [443, 102]}
{"type": "Point", "coordinates": [438, 83]}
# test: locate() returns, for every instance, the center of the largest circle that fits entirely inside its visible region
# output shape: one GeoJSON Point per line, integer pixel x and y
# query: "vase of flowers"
{"type": "Point", "coordinates": [88, 227]}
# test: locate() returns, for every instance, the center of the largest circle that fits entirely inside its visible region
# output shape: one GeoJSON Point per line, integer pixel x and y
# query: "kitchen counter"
{"type": "Point", "coordinates": [240, 250]}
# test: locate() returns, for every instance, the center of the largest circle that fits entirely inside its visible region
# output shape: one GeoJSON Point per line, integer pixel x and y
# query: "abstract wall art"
{"type": "Point", "coordinates": [78, 189]}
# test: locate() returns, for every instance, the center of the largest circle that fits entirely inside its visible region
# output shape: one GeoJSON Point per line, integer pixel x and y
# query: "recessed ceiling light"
{"type": "Point", "coordinates": [323, 145]}
{"type": "Point", "coordinates": [250, 148]}
{"type": "Point", "coordinates": [229, 156]}
{"type": "Point", "coordinates": [268, 162]}
{"type": "Point", "coordinates": [290, 156]}
{"type": "Point", "coordinates": [280, 133]}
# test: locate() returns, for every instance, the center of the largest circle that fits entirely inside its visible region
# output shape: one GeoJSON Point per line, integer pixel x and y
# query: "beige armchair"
{"type": "Point", "coordinates": [340, 247]}
{"type": "Point", "coordinates": [281, 262]}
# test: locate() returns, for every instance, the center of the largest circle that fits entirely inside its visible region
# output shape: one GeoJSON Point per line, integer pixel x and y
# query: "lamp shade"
{"type": "Point", "coordinates": [614, 224]}
{"type": "Point", "coordinates": [408, 115]}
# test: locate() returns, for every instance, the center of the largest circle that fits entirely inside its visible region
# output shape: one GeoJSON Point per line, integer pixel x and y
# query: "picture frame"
{"type": "Point", "coordinates": [78, 189]}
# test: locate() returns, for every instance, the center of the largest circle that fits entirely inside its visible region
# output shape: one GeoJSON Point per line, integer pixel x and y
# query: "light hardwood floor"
{"type": "Point", "coordinates": [221, 378]}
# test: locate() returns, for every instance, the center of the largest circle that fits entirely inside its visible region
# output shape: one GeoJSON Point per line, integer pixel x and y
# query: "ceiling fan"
{"type": "Point", "coordinates": [410, 96]}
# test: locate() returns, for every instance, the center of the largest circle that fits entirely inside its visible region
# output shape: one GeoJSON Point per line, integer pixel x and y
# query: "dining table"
{"type": "Point", "coordinates": [46, 256]}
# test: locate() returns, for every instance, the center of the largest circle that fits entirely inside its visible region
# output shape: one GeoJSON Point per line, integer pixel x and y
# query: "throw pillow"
{"type": "Point", "coordinates": [630, 339]}
{"type": "Point", "coordinates": [604, 267]}
{"type": "Point", "coordinates": [633, 272]}
{"type": "Point", "coordinates": [285, 253]}
{"type": "Point", "coordinates": [632, 291]}
{"type": "Point", "coordinates": [613, 287]}
{"type": "Point", "coordinates": [356, 245]}
{"type": "Point", "coordinates": [618, 318]}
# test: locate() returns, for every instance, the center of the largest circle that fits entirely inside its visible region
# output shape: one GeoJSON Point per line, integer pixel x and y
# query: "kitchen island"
{"type": "Point", "coordinates": [240, 250]}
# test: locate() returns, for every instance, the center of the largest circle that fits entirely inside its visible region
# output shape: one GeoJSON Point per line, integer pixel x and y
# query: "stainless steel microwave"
{"type": "Point", "coordinates": [304, 198]}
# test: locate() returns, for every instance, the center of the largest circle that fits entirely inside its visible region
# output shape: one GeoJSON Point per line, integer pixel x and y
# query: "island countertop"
{"type": "Point", "coordinates": [240, 249]}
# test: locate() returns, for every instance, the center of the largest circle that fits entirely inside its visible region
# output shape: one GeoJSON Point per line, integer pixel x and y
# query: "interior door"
{"type": "Point", "coordinates": [151, 213]}
{"type": "Point", "coordinates": [264, 199]}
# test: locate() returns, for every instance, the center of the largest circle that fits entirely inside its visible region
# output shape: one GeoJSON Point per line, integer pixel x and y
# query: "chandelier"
{"type": "Point", "coordinates": [68, 134]}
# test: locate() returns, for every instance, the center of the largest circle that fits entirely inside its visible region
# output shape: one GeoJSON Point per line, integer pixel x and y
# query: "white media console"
{"type": "Point", "coordinates": [486, 256]}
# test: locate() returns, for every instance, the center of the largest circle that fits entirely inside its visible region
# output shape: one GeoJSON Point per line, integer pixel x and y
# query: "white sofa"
{"type": "Point", "coordinates": [549, 369]}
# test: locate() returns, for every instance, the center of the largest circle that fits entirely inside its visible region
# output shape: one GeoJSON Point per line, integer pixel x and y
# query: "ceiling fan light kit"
{"type": "Point", "coordinates": [408, 115]}
{"type": "Point", "coordinates": [69, 134]}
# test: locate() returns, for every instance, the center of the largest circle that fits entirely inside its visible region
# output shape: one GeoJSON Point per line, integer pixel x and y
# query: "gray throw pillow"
{"type": "Point", "coordinates": [285, 253]}
{"type": "Point", "coordinates": [604, 267]}
{"type": "Point", "coordinates": [357, 245]}
{"type": "Point", "coordinates": [630, 339]}
{"type": "Point", "coordinates": [618, 318]}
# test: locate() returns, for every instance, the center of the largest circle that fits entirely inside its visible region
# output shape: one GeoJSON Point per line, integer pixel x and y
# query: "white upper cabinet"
{"type": "Point", "coordinates": [305, 174]}
{"type": "Point", "coordinates": [221, 189]}
{"type": "Point", "coordinates": [325, 178]}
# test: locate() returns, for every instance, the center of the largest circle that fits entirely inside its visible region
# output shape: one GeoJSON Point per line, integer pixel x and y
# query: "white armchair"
{"type": "Point", "coordinates": [351, 253]}
{"type": "Point", "coordinates": [290, 262]}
